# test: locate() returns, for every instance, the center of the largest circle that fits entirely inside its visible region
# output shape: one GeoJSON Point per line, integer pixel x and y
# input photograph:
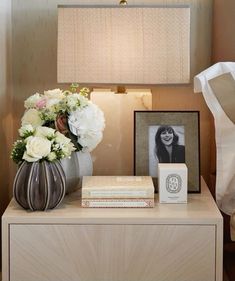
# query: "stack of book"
{"type": "Point", "coordinates": [117, 192]}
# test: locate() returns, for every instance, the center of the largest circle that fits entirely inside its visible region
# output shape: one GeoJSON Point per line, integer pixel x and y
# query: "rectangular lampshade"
{"type": "Point", "coordinates": [123, 45]}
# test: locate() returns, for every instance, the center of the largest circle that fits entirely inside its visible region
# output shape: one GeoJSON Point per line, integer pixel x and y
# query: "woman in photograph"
{"type": "Point", "coordinates": [167, 148]}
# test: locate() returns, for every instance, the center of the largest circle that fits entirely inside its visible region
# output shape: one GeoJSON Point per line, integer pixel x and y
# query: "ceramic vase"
{"type": "Point", "coordinates": [39, 185]}
{"type": "Point", "coordinates": [78, 165]}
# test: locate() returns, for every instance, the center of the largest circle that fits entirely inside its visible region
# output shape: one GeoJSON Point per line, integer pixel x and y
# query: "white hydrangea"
{"type": "Point", "coordinates": [32, 100]}
{"type": "Point", "coordinates": [31, 117]}
{"type": "Point", "coordinates": [87, 124]}
{"type": "Point", "coordinates": [90, 140]}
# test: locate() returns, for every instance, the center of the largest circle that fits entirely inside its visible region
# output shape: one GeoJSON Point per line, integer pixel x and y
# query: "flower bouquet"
{"type": "Point", "coordinates": [69, 112]}
{"type": "Point", "coordinates": [40, 180]}
{"type": "Point", "coordinates": [62, 115]}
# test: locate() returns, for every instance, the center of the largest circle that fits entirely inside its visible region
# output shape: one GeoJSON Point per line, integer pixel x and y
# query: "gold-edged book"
{"type": "Point", "coordinates": [118, 203]}
{"type": "Point", "coordinates": [117, 187]}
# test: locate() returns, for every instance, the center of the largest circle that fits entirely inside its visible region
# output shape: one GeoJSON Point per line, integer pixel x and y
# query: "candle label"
{"type": "Point", "coordinates": [173, 183]}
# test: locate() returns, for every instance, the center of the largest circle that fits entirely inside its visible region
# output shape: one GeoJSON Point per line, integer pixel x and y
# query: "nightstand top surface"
{"type": "Point", "coordinates": [200, 209]}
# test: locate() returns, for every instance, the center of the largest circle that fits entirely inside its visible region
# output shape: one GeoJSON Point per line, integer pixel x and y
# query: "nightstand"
{"type": "Point", "coordinates": [170, 242]}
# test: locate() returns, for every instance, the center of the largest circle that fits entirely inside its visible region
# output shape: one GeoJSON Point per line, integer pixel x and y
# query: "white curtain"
{"type": "Point", "coordinates": [225, 129]}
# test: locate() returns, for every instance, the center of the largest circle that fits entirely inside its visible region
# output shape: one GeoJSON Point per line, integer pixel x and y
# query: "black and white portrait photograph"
{"type": "Point", "coordinates": [166, 145]}
{"type": "Point", "coordinates": [167, 137]}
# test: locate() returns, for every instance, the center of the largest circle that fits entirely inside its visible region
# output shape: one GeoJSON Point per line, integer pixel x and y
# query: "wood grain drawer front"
{"type": "Point", "coordinates": [112, 253]}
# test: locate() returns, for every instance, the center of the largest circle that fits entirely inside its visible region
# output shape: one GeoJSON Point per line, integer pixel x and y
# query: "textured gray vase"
{"type": "Point", "coordinates": [79, 165]}
{"type": "Point", "coordinates": [39, 185]}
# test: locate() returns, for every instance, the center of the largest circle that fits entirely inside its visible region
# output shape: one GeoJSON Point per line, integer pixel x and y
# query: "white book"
{"type": "Point", "coordinates": [118, 203]}
{"type": "Point", "coordinates": [117, 187]}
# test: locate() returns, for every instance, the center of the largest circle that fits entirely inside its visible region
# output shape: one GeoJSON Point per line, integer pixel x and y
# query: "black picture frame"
{"type": "Point", "coordinates": [189, 121]}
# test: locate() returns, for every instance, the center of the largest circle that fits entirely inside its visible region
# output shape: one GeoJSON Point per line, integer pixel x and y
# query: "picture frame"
{"type": "Point", "coordinates": [183, 124]}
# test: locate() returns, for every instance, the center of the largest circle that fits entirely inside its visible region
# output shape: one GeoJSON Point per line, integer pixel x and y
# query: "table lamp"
{"type": "Point", "coordinates": [122, 45]}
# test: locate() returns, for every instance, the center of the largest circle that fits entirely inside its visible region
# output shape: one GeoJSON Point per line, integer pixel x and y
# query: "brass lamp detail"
{"type": "Point", "coordinates": [123, 2]}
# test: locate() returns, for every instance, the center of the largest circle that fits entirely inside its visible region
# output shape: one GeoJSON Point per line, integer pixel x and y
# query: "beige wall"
{"type": "Point", "coordinates": [223, 31]}
{"type": "Point", "coordinates": [34, 58]}
{"type": "Point", "coordinates": [6, 129]}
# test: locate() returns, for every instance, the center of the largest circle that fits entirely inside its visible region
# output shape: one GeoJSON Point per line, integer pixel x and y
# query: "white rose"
{"type": "Point", "coordinates": [44, 132]}
{"type": "Point", "coordinates": [28, 158]}
{"type": "Point", "coordinates": [87, 124]}
{"type": "Point", "coordinates": [31, 117]}
{"type": "Point", "coordinates": [53, 97]}
{"type": "Point", "coordinates": [54, 94]}
{"type": "Point", "coordinates": [61, 139]}
{"type": "Point", "coordinates": [25, 130]}
{"type": "Point", "coordinates": [36, 149]}
{"type": "Point", "coordinates": [32, 100]}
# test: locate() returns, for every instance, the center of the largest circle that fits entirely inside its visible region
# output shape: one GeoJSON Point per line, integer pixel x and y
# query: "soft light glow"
{"type": "Point", "coordinates": [114, 156]}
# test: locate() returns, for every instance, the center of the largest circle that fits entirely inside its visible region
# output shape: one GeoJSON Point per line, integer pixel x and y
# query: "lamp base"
{"type": "Point", "coordinates": [121, 90]}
